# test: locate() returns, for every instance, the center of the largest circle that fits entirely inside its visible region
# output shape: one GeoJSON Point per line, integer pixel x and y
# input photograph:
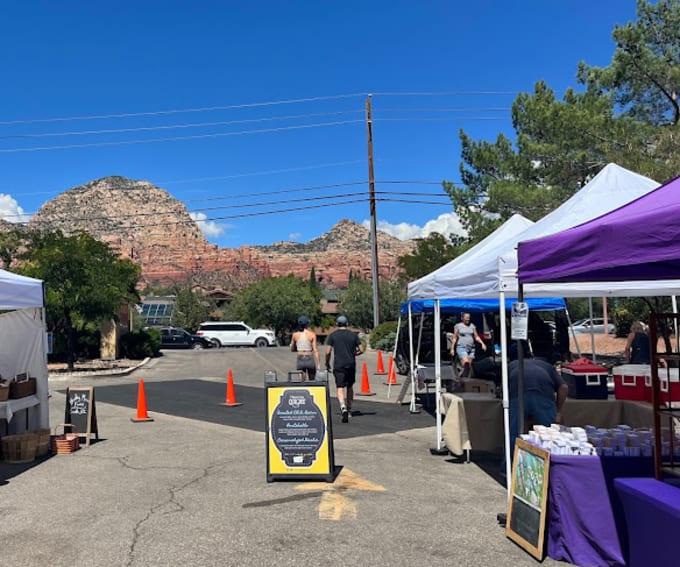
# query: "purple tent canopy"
{"type": "Point", "coordinates": [638, 241]}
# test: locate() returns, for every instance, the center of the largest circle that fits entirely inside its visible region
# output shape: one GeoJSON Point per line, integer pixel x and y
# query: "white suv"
{"type": "Point", "coordinates": [235, 333]}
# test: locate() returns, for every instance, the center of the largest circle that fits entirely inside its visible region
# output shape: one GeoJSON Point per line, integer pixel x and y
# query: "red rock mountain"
{"type": "Point", "coordinates": [147, 224]}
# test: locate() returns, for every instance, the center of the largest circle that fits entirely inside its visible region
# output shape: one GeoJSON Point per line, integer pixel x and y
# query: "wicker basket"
{"type": "Point", "coordinates": [4, 393]}
{"type": "Point", "coordinates": [65, 443]}
{"type": "Point", "coordinates": [20, 448]}
{"type": "Point", "coordinates": [43, 442]}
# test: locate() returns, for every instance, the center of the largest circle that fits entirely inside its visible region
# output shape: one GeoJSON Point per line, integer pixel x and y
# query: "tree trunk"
{"type": "Point", "coordinates": [70, 342]}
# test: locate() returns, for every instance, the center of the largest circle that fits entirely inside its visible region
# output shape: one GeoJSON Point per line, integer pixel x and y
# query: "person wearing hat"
{"type": "Point", "coordinates": [304, 343]}
{"type": "Point", "coordinates": [344, 345]}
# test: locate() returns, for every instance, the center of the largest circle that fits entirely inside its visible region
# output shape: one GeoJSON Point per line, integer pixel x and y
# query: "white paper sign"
{"type": "Point", "coordinates": [519, 321]}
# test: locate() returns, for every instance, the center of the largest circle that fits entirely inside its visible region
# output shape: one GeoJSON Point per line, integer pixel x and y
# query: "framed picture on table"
{"type": "Point", "coordinates": [21, 377]}
{"type": "Point", "coordinates": [527, 506]}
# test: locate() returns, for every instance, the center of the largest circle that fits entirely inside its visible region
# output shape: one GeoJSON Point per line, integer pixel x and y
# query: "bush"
{"type": "Point", "coordinates": [140, 344]}
{"type": "Point", "coordinates": [381, 332]}
{"type": "Point", "coordinates": [624, 319]}
{"type": "Point", "coordinates": [386, 344]}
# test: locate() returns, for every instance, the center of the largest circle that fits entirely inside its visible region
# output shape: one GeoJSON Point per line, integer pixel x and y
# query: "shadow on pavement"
{"type": "Point", "coordinates": [200, 400]}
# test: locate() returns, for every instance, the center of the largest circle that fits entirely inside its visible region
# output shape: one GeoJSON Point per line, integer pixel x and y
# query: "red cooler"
{"type": "Point", "coordinates": [631, 382]}
{"type": "Point", "coordinates": [586, 380]}
{"type": "Point", "coordinates": [669, 385]}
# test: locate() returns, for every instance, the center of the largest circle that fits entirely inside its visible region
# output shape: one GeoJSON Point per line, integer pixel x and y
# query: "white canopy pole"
{"type": "Point", "coordinates": [506, 392]}
{"type": "Point", "coordinates": [438, 371]}
{"type": "Point", "coordinates": [674, 301]}
{"type": "Point", "coordinates": [412, 367]}
{"type": "Point", "coordinates": [592, 329]}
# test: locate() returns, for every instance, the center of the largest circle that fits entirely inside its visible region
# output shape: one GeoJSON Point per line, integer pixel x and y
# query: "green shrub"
{"type": "Point", "coordinates": [386, 344]}
{"type": "Point", "coordinates": [140, 344]}
{"type": "Point", "coordinates": [623, 319]}
{"type": "Point", "coordinates": [381, 332]}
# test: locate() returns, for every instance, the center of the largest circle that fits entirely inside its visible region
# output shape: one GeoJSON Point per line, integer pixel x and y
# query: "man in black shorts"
{"type": "Point", "coordinates": [345, 345]}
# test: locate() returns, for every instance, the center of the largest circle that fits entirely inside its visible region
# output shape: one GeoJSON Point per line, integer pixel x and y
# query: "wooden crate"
{"type": "Point", "coordinates": [22, 389]}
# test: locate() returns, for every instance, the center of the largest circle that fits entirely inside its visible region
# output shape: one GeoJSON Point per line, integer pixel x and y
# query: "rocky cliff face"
{"type": "Point", "coordinates": [147, 224]}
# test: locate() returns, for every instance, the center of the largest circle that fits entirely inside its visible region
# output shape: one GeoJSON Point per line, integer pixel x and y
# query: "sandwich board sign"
{"type": "Point", "coordinates": [299, 431]}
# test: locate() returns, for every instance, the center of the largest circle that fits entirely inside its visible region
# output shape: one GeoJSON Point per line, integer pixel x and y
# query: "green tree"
{"type": "Point", "coordinates": [84, 280]}
{"type": "Point", "coordinates": [191, 308]}
{"type": "Point", "coordinates": [356, 302]}
{"type": "Point", "coordinates": [278, 302]}
{"type": "Point", "coordinates": [391, 294]}
{"type": "Point", "coordinates": [10, 242]}
{"type": "Point", "coordinates": [627, 114]}
{"type": "Point", "coordinates": [431, 252]}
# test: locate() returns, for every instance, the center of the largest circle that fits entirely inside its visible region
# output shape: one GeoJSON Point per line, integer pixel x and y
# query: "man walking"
{"type": "Point", "coordinates": [345, 346]}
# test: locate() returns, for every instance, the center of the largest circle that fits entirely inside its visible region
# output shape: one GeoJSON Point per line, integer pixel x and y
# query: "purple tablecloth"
{"type": "Point", "coordinates": [586, 524]}
{"type": "Point", "coordinates": [652, 510]}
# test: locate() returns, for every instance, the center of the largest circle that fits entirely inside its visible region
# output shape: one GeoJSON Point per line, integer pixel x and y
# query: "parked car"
{"type": "Point", "coordinates": [595, 326]}
{"type": "Point", "coordinates": [235, 333]}
{"type": "Point", "coordinates": [174, 337]}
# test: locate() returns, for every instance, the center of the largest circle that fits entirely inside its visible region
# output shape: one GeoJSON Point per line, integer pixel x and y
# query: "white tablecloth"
{"type": "Point", "coordinates": [10, 407]}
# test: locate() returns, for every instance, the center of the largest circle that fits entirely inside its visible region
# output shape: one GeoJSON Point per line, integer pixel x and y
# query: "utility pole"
{"type": "Point", "coordinates": [374, 232]}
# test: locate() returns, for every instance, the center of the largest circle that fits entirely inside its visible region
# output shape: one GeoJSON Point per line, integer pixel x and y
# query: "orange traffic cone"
{"type": "Point", "coordinates": [231, 394]}
{"type": "Point", "coordinates": [142, 414]}
{"type": "Point", "coordinates": [381, 368]}
{"type": "Point", "coordinates": [365, 386]}
{"type": "Point", "coordinates": [391, 374]}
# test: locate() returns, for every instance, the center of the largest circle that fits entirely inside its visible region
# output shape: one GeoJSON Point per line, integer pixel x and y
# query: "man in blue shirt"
{"type": "Point", "coordinates": [545, 392]}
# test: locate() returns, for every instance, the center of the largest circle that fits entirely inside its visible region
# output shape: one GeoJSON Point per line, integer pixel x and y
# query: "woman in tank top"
{"type": "Point", "coordinates": [304, 343]}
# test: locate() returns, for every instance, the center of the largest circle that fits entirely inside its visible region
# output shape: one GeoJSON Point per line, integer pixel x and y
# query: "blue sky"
{"type": "Point", "coordinates": [253, 113]}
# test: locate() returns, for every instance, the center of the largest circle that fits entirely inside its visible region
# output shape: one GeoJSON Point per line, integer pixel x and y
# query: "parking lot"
{"type": "Point", "coordinates": [189, 488]}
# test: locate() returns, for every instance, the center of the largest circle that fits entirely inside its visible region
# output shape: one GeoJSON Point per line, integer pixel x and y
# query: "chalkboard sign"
{"type": "Point", "coordinates": [299, 432]}
{"type": "Point", "coordinates": [81, 412]}
{"type": "Point", "coordinates": [527, 508]}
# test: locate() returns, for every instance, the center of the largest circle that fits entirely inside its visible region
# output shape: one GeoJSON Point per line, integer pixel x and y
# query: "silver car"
{"type": "Point", "coordinates": [596, 325]}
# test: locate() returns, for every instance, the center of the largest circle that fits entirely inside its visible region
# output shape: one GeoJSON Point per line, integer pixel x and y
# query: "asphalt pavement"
{"type": "Point", "coordinates": [189, 488]}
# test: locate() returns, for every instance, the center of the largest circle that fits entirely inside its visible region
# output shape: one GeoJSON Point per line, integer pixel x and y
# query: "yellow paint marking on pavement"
{"type": "Point", "coordinates": [335, 504]}
{"type": "Point", "coordinates": [346, 479]}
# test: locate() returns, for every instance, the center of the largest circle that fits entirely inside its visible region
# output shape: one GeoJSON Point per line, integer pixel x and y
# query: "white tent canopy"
{"type": "Point", "coordinates": [494, 267]}
{"type": "Point", "coordinates": [444, 281]}
{"type": "Point", "coordinates": [22, 336]}
{"type": "Point", "coordinates": [493, 273]}
{"type": "Point", "coordinates": [19, 292]}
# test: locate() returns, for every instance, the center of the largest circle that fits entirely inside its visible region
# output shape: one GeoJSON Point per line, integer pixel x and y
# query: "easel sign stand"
{"type": "Point", "coordinates": [527, 506]}
{"type": "Point", "coordinates": [81, 412]}
{"type": "Point", "coordinates": [299, 433]}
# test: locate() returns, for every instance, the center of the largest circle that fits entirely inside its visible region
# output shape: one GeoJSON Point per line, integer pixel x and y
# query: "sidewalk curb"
{"type": "Point", "coordinates": [95, 373]}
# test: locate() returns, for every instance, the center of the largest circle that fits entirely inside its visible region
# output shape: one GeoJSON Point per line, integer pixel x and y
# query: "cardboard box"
{"type": "Point", "coordinates": [480, 386]}
{"type": "Point", "coordinates": [586, 380]}
{"type": "Point", "coordinates": [632, 382]}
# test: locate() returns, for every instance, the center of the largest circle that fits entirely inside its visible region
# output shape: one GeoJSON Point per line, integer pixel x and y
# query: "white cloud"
{"type": "Point", "coordinates": [208, 228]}
{"type": "Point", "coordinates": [444, 224]}
{"type": "Point", "coordinates": [294, 236]}
{"type": "Point", "coordinates": [10, 210]}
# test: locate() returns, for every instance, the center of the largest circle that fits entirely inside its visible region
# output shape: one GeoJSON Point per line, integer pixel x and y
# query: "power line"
{"type": "Point", "coordinates": [180, 138]}
{"type": "Point", "coordinates": [182, 110]}
{"type": "Point", "coordinates": [177, 126]}
{"type": "Point", "coordinates": [270, 172]}
{"type": "Point", "coordinates": [68, 216]}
